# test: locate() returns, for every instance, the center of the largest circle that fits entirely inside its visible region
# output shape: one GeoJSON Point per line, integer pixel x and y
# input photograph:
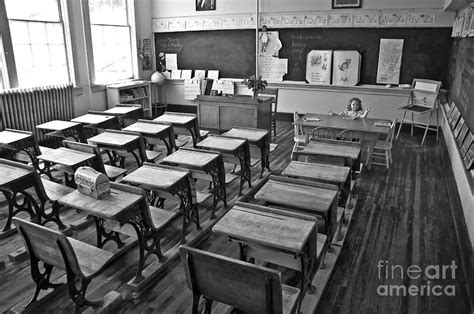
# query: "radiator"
{"type": "Point", "coordinates": [24, 109]}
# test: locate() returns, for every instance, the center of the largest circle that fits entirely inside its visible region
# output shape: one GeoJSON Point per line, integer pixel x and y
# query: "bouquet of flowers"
{"type": "Point", "coordinates": [254, 83]}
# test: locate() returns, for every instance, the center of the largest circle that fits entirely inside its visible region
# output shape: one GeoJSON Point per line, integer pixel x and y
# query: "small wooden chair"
{"type": "Point", "coordinates": [350, 136]}
{"type": "Point", "coordinates": [324, 133]}
{"type": "Point", "coordinates": [383, 148]}
{"type": "Point", "coordinates": [300, 138]}
{"type": "Point", "coordinates": [80, 260]}
{"type": "Point", "coordinates": [97, 163]}
{"type": "Point", "coordinates": [245, 286]}
{"type": "Point", "coordinates": [272, 92]}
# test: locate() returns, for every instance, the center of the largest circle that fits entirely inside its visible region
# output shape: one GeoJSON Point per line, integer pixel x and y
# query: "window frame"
{"type": "Point", "coordinates": [90, 48]}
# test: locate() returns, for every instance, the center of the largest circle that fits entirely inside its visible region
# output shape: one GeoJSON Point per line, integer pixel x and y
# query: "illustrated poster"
{"type": "Point", "coordinates": [318, 67]}
{"type": "Point", "coordinates": [346, 67]}
{"type": "Point", "coordinates": [390, 60]}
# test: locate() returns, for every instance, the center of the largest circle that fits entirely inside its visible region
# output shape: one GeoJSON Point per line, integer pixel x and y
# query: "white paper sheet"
{"type": "Point", "coordinates": [171, 60]}
{"type": "Point", "coordinates": [192, 88]}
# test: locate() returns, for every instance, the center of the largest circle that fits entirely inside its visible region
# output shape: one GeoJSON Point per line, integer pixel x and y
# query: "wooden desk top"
{"type": "Point", "coordinates": [191, 157]}
{"type": "Point", "coordinates": [332, 149]}
{"type": "Point", "coordinates": [113, 139]}
{"type": "Point", "coordinates": [122, 110]}
{"type": "Point", "coordinates": [221, 143]}
{"type": "Point", "coordinates": [91, 118]}
{"type": "Point", "coordinates": [266, 228]}
{"type": "Point", "coordinates": [307, 198]}
{"type": "Point", "coordinates": [66, 156]}
{"type": "Point", "coordinates": [147, 128]}
{"type": "Point", "coordinates": [10, 137]}
{"type": "Point", "coordinates": [369, 125]}
{"type": "Point", "coordinates": [11, 173]}
{"type": "Point", "coordinates": [176, 118]}
{"type": "Point", "coordinates": [110, 206]}
{"type": "Point", "coordinates": [57, 125]}
{"type": "Point", "coordinates": [325, 172]}
{"type": "Point", "coordinates": [155, 177]}
{"type": "Point", "coordinates": [252, 135]}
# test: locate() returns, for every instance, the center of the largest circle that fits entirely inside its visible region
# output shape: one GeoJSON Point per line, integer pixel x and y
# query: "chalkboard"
{"type": "Point", "coordinates": [232, 52]}
{"type": "Point", "coordinates": [425, 50]}
{"type": "Point", "coordinates": [461, 78]}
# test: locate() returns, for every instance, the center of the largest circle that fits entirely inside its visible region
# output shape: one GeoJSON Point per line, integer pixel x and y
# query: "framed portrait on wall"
{"type": "Point", "coordinates": [344, 4]}
{"type": "Point", "coordinates": [205, 5]}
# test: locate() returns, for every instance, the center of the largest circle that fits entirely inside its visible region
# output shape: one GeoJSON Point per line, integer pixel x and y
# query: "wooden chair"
{"type": "Point", "coordinates": [350, 136]}
{"type": "Point", "coordinates": [80, 260]}
{"type": "Point", "coordinates": [272, 92]}
{"type": "Point", "coordinates": [245, 286]}
{"type": "Point", "coordinates": [324, 133]}
{"type": "Point", "coordinates": [97, 163]}
{"type": "Point", "coordinates": [383, 148]}
{"type": "Point", "coordinates": [299, 138]}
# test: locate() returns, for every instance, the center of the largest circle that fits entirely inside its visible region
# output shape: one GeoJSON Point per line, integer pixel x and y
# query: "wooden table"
{"type": "Point", "coordinates": [277, 236]}
{"type": "Point", "coordinates": [15, 179]}
{"type": "Point", "coordinates": [164, 181]}
{"type": "Point", "coordinates": [64, 129]}
{"type": "Point", "coordinates": [17, 140]}
{"type": "Point", "coordinates": [303, 196]}
{"type": "Point", "coordinates": [154, 130]}
{"type": "Point", "coordinates": [369, 128]}
{"type": "Point", "coordinates": [205, 165]}
{"type": "Point", "coordinates": [350, 152]}
{"type": "Point", "coordinates": [224, 113]}
{"type": "Point", "coordinates": [333, 174]}
{"type": "Point", "coordinates": [124, 112]}
{"type": "Point", "coordinates": [231, 148]}
{"type": "Point", "coordinates": [256, 137]}
{"type": "Point", "coordinates": [97, 121]}
{"type": "Point", "coordinates": [112, 141]}
{"type": "Point", "coordinates": [121, 206]}
{"type": "Point", "coordinates": [182, 120]}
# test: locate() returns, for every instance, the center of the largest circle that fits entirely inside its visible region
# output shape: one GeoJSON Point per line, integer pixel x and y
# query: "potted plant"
{"type": "Point", "coordinates": [255, 84]}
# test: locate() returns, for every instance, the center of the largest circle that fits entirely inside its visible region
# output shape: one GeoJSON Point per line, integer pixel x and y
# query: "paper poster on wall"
{"type": "Point", "coordinates": [186, 74]}
{"type": "Point", "coordinates": [390, 60]}
{"type": "Point", "coordinates": [346, 67]}
{"type": "Point", "coordinates": [213, 74]}
{"type": "Point", "coordinates": [318, 67]}
{"type": "Point", "coordinates": [171, 60]}
{"type": "Point", "coordinates": [269, 43]}
{"type": "Point", "coordinates": [200, 74]}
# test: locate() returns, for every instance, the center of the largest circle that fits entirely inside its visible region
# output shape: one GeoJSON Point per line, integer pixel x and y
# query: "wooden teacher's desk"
{"type": "Point", "coordinates": [277, 236]}
{"type": "Point", "coordinates": [224, 112]}
{"type": "Point", "coordinates": [205, 165]}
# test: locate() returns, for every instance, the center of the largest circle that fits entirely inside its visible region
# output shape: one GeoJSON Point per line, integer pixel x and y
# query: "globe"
{"type": "Point", "coordinates": [158, 78]}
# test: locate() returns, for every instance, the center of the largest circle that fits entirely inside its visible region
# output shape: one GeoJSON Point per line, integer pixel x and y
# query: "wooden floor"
{"type": "Point", "coordinates": [408, 215]}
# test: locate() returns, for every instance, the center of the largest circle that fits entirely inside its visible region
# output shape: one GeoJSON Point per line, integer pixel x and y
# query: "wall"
{"type": "Point", "coordinates": [176, 8]}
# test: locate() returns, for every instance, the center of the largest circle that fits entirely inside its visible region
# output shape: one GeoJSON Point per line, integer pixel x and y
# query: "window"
{"type": "Point", "coordinates": [38, 40]}
{"type": "Point", "coordinates": [3, 68]}
{"type": "Point", "coordinates": [110, 36]}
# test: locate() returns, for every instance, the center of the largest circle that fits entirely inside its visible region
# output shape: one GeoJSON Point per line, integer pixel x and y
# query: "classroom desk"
{"type": "Point", "coordinates": [182, 120]}
{"type": "Point", "coordinates": [333, 148]}
{"type": "Point", "coordinates": [256, 137]}
{"type": "Point", "coordinates": [96, 121]}
{"type": "Point", "coordinates": [302, 196]}
{"type": "Point", "coordinates": [368, 128]}
{"type": "Point", "coordinates": [154, 130]}
{"type": "Point", "coordinates": [121, 206]}
{"type": "Point", "coordinates": [231, 148]}
{"type": "Point", "coordinates": [63, 129]}
{"type": "Point", "coordinates": [202, 162]}
{"type": "Point", "coordinates": [276, 236]}
{"type": "Point", "coordinates": [15, 180]}
{"type": "Point", "coordinates": [111, 141]}
{"type": "Point", "coordinates": [332, 174]}
{"type": "Point", "coordinates": [165, 181]}
{"type": "Point", "coordinates": [125, 112]}
{"type": "Point", "coordinates": [16, 140]}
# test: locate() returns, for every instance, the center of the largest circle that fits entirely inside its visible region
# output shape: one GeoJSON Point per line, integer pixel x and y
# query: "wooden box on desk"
{"type": "Point", "coordinates": [91, 182]}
